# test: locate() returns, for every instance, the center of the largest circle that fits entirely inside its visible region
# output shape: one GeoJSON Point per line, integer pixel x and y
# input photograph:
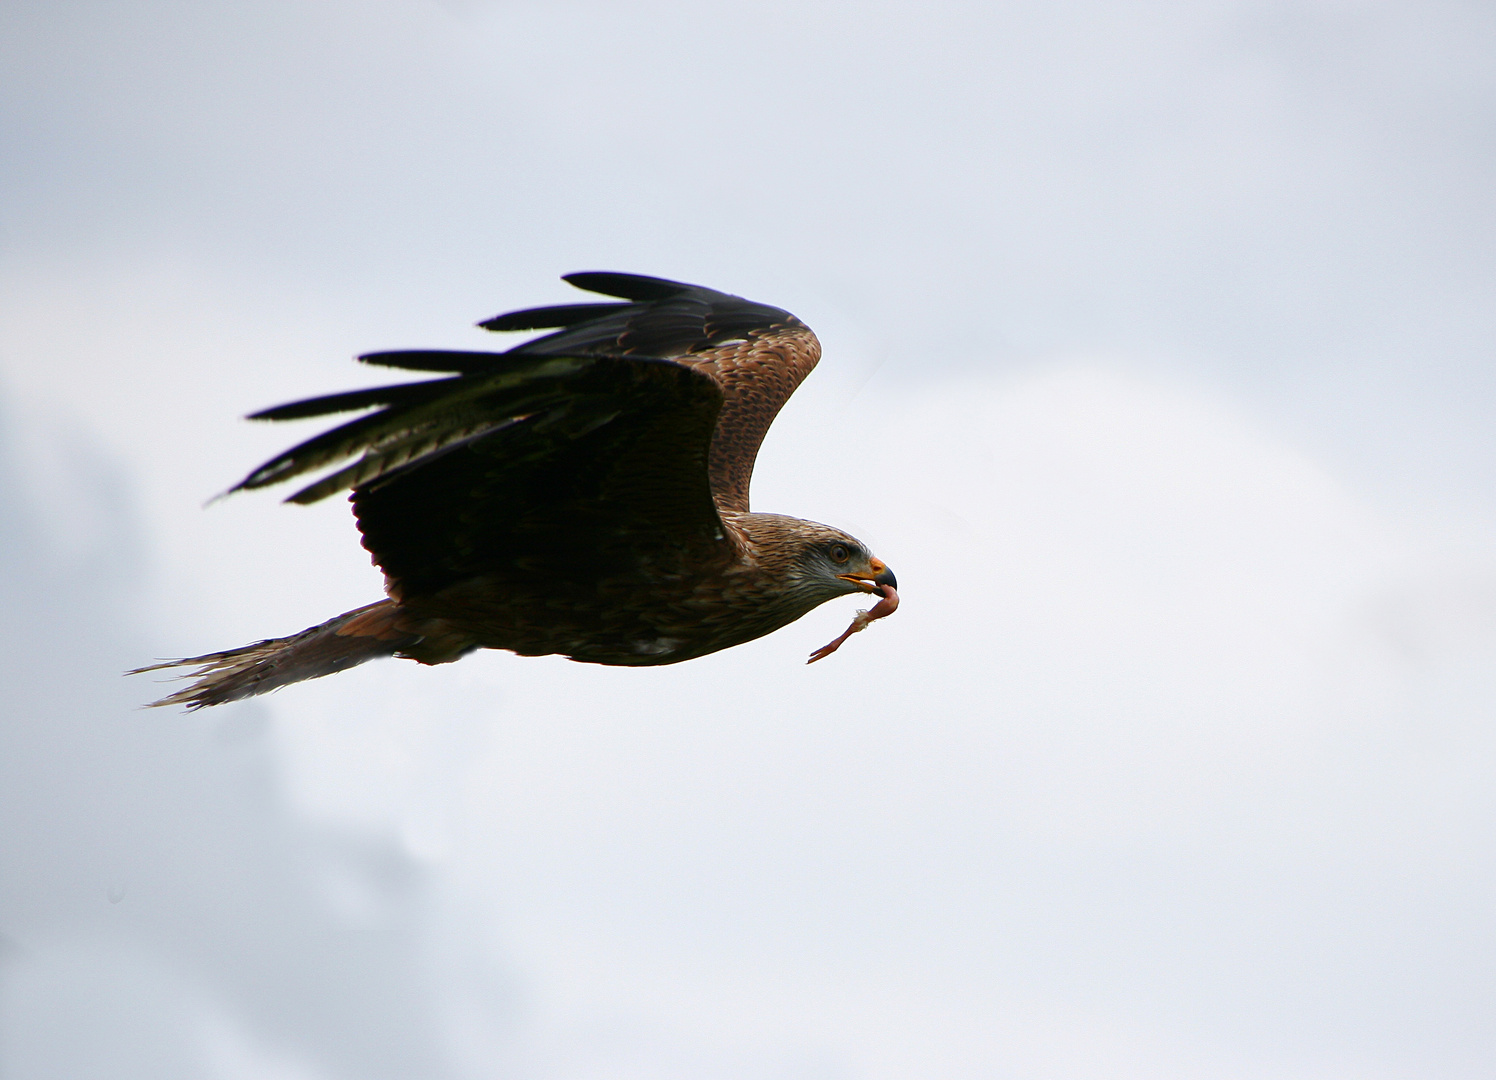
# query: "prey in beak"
{"type": "Point", "coordinates": [880, 580]}
{"type": "Point", "coordinates": [878, 575]}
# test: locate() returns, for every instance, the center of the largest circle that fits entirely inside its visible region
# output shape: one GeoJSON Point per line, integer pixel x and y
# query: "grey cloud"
{"type": "Point", "coordinates": [151, 878]}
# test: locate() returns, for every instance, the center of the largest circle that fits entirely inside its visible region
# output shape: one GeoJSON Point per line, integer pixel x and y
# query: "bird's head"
{"type": "Point", "coordinates": [818, 562]}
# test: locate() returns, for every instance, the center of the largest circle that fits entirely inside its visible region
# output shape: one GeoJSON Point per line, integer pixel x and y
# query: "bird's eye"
{"type": "Point", "coordinates": [839, 553]}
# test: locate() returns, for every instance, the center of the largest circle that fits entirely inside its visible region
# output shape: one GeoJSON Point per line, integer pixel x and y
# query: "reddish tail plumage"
{"type": "Point", "coordinates": [356, 636]}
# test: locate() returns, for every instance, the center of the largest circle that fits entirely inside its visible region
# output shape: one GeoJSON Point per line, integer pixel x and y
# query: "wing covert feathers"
{"type": "Point", "coordinates": [758, 354]}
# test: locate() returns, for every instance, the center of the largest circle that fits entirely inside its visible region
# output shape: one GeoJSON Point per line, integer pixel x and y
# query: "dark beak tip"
{"type": "Point", "coordinates": [886, 578]}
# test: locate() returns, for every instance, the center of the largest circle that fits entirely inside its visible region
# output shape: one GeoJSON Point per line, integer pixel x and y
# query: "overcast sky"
{"type": "Point", "coordinates": [1158, 364]}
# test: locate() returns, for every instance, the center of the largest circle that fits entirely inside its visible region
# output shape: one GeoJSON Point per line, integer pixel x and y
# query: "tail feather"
{"type": "Point", "coordinates": [357, 636]}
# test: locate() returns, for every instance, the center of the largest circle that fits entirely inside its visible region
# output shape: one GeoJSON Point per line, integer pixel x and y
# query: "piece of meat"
{"type": "Point", "coordinates": [881, 610]}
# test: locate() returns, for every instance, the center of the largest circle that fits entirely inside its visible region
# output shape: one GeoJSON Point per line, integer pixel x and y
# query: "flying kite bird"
{"type": "Point", "coordinates": [584, 493]}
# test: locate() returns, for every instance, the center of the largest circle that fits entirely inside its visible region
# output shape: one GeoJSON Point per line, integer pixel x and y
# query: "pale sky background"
{"type": "Point", "coordinates": [1159, 365]}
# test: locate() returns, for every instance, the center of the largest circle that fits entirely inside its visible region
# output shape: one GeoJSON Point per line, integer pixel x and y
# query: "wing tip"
{"type": "Point", "coordinates": [638, 288]}
{"type": "Point", "coordinates": [548, 318]}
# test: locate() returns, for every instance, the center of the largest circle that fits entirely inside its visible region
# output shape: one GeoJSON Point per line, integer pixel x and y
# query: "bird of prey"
{"type": "Point", "coordinates": [584, 493]}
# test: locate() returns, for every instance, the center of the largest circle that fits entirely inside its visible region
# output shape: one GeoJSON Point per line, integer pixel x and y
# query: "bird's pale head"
{"type": "Point", "coordinates": [812, 562]}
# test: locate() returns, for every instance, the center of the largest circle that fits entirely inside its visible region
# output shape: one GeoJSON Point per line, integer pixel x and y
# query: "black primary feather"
{"type": "Point", "coordinates": [353, 400]}
{"type": "Point", "coordinates": [544, 318]}
{"type": "Point", "coordinates": [444, 360]}
{"type": "Point", "coordinates": [635, 287]}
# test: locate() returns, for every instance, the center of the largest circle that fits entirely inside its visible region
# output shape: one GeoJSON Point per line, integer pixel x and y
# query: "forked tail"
{"type": "Point", "coordinates": [356, 636]}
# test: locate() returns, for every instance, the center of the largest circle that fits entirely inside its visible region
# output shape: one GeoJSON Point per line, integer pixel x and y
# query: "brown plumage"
{"type": "Point", "coordinates": [584, 493]}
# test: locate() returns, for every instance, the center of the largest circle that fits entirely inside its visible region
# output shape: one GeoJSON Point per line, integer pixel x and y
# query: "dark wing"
{"type": "Point", "coordinates": [572, 468]}
{"type": "Point", "coordinates": [758, 354]}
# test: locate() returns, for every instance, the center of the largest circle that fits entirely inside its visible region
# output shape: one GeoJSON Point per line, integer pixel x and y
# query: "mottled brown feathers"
{"type": "Point", "coordinates": [757, 354]}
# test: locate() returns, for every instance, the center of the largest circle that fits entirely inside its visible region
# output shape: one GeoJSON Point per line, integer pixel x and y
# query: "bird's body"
{"type": "Point", "coordinates": [583, 494]}
{"type": "Point", "coordinates": [655, 611]}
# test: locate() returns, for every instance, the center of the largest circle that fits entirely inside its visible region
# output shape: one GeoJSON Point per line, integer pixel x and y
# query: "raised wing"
{"type": "Point", "coordinates": [570, 468]}
{"type": "Point", "coordinates": [758, 354]}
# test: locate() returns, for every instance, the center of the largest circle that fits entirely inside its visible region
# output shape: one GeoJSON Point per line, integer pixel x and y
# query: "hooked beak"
{"type": "Point", "coordinates": [880, 575]}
